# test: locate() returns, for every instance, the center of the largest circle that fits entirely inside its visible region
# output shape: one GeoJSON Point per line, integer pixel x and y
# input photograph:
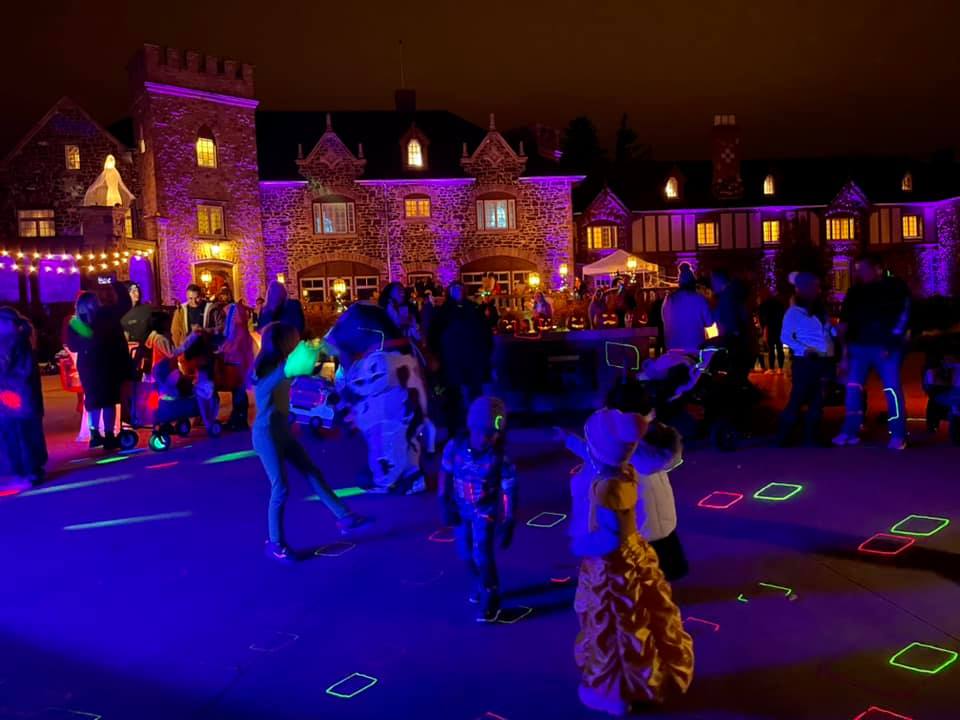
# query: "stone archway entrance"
{"type": "Point", "coordinates": [213, 275]}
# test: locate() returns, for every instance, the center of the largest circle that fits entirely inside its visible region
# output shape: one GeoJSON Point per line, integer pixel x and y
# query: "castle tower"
{"type": "Point", "coordinates": [196, 153]}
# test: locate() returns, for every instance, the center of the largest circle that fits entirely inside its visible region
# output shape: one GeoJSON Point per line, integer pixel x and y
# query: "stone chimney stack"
{"type": "Point", "coordinates": [727, 183]}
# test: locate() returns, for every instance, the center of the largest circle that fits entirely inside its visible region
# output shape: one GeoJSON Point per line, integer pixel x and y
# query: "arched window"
{"type": "Point", "coordinates": [206, 148]}
{"type": "Point", "coordinates": [414, 154]}
{"type": "Point", "coordinates": [769, 186]}
{"type": "Point", "coordinates": [671, 189]}
{"type": "Point", "coordinates": [907, 183]}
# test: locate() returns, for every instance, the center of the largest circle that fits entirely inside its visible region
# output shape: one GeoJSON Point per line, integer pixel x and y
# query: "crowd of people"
{"type": "Point", "coordinates": [623, 514]}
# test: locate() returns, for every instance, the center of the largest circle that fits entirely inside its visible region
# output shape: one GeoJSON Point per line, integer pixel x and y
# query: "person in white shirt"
{"type": "Point", "coordinates": [807, 335]}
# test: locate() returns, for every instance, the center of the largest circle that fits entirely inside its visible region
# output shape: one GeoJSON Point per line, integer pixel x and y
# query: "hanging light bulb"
{"type": "Point", "coordinates": [60, 271]}
{"type": "Point", "coordinates": [103, 266]}
{"type": "Point", "coordinates": [91, 268]}
{"type": "Point", "coordinates": [47, 268]}
{"type": "Point", "coordinates": [74, 270]}
{"type": "Point", "coordinates": [19, 256]}
{"type": "Point", "coordinates": [36, 255]}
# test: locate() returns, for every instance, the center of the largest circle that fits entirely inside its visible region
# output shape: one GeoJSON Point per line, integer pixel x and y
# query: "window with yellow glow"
{"type": "Point", "coordinates": [841, 228]}
{"type": "Point", "coordinates": [907, 183]}
{"type": "Point", "coordinates": [206, 152]}
{"type": "Point", "coordinates": [36, 223]}
{"type": "Point", "coordinates": [601, 237]}
{"type": "Point", "coordinates": [414, 154]}
{"type": "Point", "coordinates": [771, 232]}
{"type": "Point", "coordinates": [912, 227]}
{"type": "Point", "coordinates": [72, 156]}
{"type": "Point", "coordinates": [128, 223]}
{"type": "Point", "coordinates": [769, 187]}
{"type": "Point", "coordinates": [210, 220]}
{"type": "Point", "coordinates": [671, 190]}
{"type": "Point", "coordinates": [707, 234]}
{"type": "Point", "coordinates": [416, 207]}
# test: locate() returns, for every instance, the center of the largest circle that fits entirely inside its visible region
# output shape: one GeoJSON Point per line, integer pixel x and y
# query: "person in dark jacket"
{"type": "Point", "coordinates": [461, 339]}
{"type": "Point", "coordinates": [136, 322]}
{"type": "Point", "coordinates": [23, 449]}
{"type": "Point", "coordinates": [280, 308]}
{"type": "Point", "coordinates": [95, 333]}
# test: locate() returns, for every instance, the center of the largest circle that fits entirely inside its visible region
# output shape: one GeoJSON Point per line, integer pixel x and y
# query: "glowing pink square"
{"type": "Point", "coordinates": [875, 713]}
{"type": "Point", "coordinates": [886, 545]}
{"type": "Point", "coordinates": [700, 622]}
{"type": "Point", "coordinates": [720, 500]}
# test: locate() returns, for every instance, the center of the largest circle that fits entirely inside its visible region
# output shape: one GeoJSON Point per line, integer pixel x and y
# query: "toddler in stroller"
{"type": "Point", "coordinates": [941, 383]}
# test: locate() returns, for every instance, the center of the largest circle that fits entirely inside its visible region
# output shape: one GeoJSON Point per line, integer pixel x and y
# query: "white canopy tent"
{"type": "Point", "coordinates": [616, 263]}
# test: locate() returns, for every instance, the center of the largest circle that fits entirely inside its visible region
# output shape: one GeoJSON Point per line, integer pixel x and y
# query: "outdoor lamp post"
{"type": "Point", "coordinates": [339, 290]}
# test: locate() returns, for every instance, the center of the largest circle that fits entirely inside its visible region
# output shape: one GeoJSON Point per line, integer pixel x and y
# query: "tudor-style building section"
{"type": "Point", "coordinates": [369, 208]}
{"type": "Point", "coordinates": [695, 212]}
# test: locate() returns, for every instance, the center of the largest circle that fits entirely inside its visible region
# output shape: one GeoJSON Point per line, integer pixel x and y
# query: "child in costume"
{"type": "Point", "coordinates": [632, 648]}
{"type": "Point", "coordinates": [478, 489]}
{"type": "Point", "coordinates": [283, 357]}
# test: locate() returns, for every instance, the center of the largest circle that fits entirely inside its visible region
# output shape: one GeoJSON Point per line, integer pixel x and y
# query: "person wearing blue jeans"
{"type": "Point", "coordinates": [874, 321]}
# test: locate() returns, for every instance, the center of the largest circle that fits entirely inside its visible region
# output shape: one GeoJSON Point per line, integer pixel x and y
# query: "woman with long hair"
{"type": "Point", "coordinates": [394, 299]}
{"type": "Point", "coordinates": [103, 360]}
{"type": "Point", "coordinates": [23, 449]}
{"type": "Point", "coordinates": [280, 308]}
{"type": "Point", "coordinates": [237, 350]}
{"type": "Point", "coordinates": [283, 357]}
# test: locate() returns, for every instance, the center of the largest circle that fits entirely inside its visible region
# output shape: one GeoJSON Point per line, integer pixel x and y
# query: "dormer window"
{"type": "Point", "coordinates": [907, 183]}
{"type": "Point", "coordinates": [672, 189]}
{"type": "Point", "coordinates": [769, 186]}
{"type": "Point", "coordinates": [414, 154]}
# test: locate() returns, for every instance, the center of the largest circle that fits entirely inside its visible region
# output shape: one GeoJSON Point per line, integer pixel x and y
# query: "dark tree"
{"type": "Point", "coordinates": [581, 147]}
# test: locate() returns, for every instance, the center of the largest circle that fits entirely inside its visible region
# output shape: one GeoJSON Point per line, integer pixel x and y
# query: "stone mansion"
{"type": "Point", "coordinates": [225, 194]}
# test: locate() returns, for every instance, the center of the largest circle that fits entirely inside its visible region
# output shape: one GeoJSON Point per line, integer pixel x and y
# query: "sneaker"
{"type": "Point", "coordinates": [280, 553]}
{"type": "Point", "coordinates": [897, 443]}
{"type": "Point", "coordinates": [844, 439]}
{"type": "Point", "coordinates": [111, 442]}
{"type": "Point", "coordinates": [353, 522]}
{"type": "Point", "coordinates": [96, 439]}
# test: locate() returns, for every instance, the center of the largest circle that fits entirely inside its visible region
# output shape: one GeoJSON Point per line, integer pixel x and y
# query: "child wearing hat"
{"type": "Point", "coordinates": [632, 648]}
{"type": "Point", "coordinates": [478, 492]}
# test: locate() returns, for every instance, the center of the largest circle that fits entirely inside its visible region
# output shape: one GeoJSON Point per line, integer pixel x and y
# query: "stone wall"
{"type": "Point", "coordinates": [36, 176]}
{"type": "Point", "coordinates": [174, 185]}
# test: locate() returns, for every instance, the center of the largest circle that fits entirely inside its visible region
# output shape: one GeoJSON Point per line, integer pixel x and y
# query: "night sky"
{"type": "Point", "coordinates": [803, 76]}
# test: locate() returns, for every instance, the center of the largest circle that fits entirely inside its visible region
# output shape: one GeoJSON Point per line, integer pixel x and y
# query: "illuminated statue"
{"type": "Point", "coordinates": [108, 189]}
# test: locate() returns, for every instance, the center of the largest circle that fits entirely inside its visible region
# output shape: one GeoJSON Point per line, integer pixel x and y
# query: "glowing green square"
{"type": "Point", "coordinates": [949, 657]}
{"type": "Point", "coordinates": [777, 492]}
{"type": "Point", "coordinates": [940, 522]}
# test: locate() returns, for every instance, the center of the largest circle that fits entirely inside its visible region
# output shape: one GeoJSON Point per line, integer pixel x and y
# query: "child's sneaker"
{"type": "Point", "coordinates": [111, 442]}
{"type": "Point", "coordinates": [280, 553]}
{"type": "Point", "coordinates": [96, 439]}
{"type": "Point", "coordinates": [351, 523]}
{"type": "Point", "coordinates": [844, 439]}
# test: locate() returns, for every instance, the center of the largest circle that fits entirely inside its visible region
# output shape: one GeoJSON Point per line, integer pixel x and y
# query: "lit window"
{"type": "Point", "coordinates": [601, 237]}
{"type": "Point", "coordinates": [671, 190]}
{"type": "Point", "coordinates": [498, 214]}
{"type": "Point", "coordinates": [771, 232]}
{"type": "Point", "coordinates": [206, 149]}
{"type": "Point", "coordinates": [912, 227]}
{"type": "Point", "coordinates": [128, 223]}
{"type": "Point", "coordinates": [71, 155]}
{"type": "Point", "coordinates": [416, 207]}
{"type": "Point", "coordinates": [840, 228]}
{"type": "Point", "coordinates": [414, 154]}
{"type": "Point", "coordinates": [769, 186]}
{"type": "Point", "coordinates": [36, 223]}
{"type": "Point", "coordinates": [707, 234]}
{"type": "Point", "coordinates": [334, 218]}
{"type": "Point", "coordinates": [907, 183]}
{"type": "Point", "coordinates": [210, 220]}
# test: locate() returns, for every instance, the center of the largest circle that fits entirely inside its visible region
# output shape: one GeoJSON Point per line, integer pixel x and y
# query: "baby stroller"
{"type": "Point", "coordinates": [144, 406]}
{"type": "Point", "coordinates": [941, 383]}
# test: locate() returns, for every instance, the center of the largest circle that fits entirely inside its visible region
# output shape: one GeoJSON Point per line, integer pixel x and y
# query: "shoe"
{"type": "Point", "coordinates": [111, 442]}
{"type": "Point", "coordinates": [897, 443]}
{"type": "Point", "coordinates": [844, 439]}
{"type": "Point", "coordinates": [349, 524]}
{"type": "Point", "coordinates": [280, 553]}
{"type": "Point", "coordinates": [768, 372]}
{"type": "Point", "coordinates": [778, 371]}
{"type": "Point", "coordinates": [597, 702]}
{"type": "Point", "coordinates": [96, 439]}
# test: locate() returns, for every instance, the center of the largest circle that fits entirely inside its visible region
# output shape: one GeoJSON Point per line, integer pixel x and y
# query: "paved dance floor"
{"type": "Point", "coordinates": [824, 584]}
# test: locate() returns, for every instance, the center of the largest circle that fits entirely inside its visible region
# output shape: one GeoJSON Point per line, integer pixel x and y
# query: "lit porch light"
{"type": "Point", "coordinates": [339, 286]}
{"type": "Point", "coordinates": [631, 263]}
{"type": "Point", "coordinates": [215, 250]}
{"type": "Point", "coordinates": [564, 270]}
{"type": "Point", "coordinates": [533, 280]}
{"type": "Point", "coordinates": [281, 278]}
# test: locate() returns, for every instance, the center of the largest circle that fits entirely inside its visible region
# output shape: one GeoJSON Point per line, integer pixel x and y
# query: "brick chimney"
{"type": "Point", "coordinates": [727, 183]}
{"type": "Point", "coordinates": [406, 101]}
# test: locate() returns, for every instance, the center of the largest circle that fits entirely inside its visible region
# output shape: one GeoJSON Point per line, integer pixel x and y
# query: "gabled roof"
{"type": "Point", "coordinates": [798, 181]}
{"type": "Point", "coordinates": [59, 105]}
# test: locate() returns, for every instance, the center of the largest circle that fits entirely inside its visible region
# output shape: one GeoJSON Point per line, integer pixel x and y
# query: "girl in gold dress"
{"type": "Point", "coordinates": [632, 648]}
